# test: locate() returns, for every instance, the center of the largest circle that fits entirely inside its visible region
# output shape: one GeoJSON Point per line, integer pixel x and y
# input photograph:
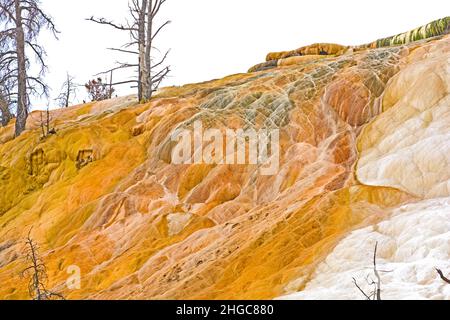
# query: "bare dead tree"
{"type": "Point", "coordinates": [37, 272]}
{"type": "Point", "coordinates": [441, 274]}
{"type": "Point", "coordinates": [7, 84]}
{"type": "Point", "coordinates": [376, 292]}
{"type": "Point", "coordinates": [143, 32]}
{"type": "Point", "coordinates": [45, 124]}
{"type": "Point", "coordinates": [68, 92]}
{"type": "Point", "coordinates": [21, 23]}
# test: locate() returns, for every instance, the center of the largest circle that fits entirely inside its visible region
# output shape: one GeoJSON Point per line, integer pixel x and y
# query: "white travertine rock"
{"type": "Point", "coordinates": [411, 245]}
{"type": "Point", "coordinates": [407, 147]}
{"type": "Point", "coordinates": [177, 222]}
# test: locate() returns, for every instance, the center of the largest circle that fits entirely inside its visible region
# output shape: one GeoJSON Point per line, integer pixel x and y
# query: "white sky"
{"type": "Point", "coordinates": [214, 38]}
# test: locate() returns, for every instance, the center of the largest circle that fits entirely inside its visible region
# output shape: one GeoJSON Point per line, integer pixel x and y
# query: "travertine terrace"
{"type": "Point", "coordinates": [365, 158]}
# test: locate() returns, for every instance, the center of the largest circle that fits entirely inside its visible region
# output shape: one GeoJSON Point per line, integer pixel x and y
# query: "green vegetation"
{"type": "Point", "coordinates": [433, 29]}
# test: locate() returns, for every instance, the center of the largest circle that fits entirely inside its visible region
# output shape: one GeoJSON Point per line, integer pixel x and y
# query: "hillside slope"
{"type": "Point", "coordinates": [365, 157]}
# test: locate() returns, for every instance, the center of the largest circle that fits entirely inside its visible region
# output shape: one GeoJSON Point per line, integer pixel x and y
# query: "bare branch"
{"type": "Point", "coordinates": [376, 294]}
{"type": "Point", "coordinates": [156, 65]}
{"type": "Point", "coordinates": [441, 274]}
{"type": "Point", "coordinates": [141, 27]}
{"type": "Point", "coordinates": [124, 51]}
{"type": "Point", "coordinates": [375, 271]}
{"type": "Point", "coordinates": [112, 24]}
{"type": "Point", "coordinates": [124, 82]}
{"type": "Point", "coordinates": [37, 273]}
{"type": "Point", "coordinates": [361, 290]}
{"type": "Point", "coordinates": [68, 92]}
{"type": "Point", "coordinates": [160, 28]}
{"type": "Point", "coordinates": [23, 20]}
{"type": "Point", "coordinates": [122, 66]}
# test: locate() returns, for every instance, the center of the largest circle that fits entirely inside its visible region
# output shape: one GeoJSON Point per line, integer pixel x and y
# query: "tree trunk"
{"type": "Point", "coordinates": [36, 281]}
{"type": "Point", "coordinates": [68, 91]}
{"type": "Point", "coordinates": [110, 84]}
{"type": "Point", "coordinates": [148, 53]}
{"type": "Point", "coordinates": [4, 111]}
{"type": "Point", "coordinates": [22, 99]}
{"type": "Point", "coordinates": [143, 71]}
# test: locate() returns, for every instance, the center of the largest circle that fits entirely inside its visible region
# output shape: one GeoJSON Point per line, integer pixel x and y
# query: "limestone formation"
{"type": "Point", "coordinates": [315, 51]}
{"type": "Point", "coordinates": [364, 157]}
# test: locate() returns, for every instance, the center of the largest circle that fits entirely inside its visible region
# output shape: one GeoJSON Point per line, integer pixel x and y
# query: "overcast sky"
{"type": "Point", "coordinates": [213, 38]}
